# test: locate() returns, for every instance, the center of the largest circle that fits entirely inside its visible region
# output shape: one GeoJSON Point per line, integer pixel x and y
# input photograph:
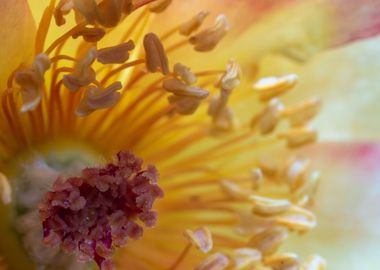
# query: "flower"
{"type": "Point", "coordinates": [132, 139]}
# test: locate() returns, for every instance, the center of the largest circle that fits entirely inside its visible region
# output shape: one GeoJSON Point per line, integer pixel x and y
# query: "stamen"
{"type": "Point", "coordinates": [271, 87]}
{"type": "Point", "coordinates": [159, 6]}
{"type": "Point", "coordinates": [267, 120]}
{"type": "Point", "coordinates": [90, 214]}
{"type": "Point", "coordinates": [268, 240]}
{"type": "Point", "coordinates": [156, 59]}
{"type": "Point", "coordinates": [217, 261]}
{"type": "Point", "coordinates": [298, 219]}
{"type": "Point", "coordinates": [63, 8]}
{"type": "Point", "coordinates": [83, 74]}
{"type": "Point", "coordinates": [96, 98]}
{"type": "Point", "coordinates": [257, 178]}
{"type": "Point", "coordinates": [263, 206]}
{"type": "Point", "coordinates": [181, 257]}
{"type": "Point", "coordinates": [314, 262]}
{"type": "Point", "coordinates": [90, 34]}
{"type": "Point", "coordinates": [300, 114]}
{"type": "Point", "coordinates": [201, 238]}
{"type": "Point", "coordinates": [5, 190]}
{"type": "Point", "coordinates": [117, 54]}
{"type": "Point", "coordinates": [186, 98]}
{"type": "Point", "coordinates": [209, 38]}
{"type": "Point", "coordinates": [282, 261]}
{"type": "Point", "coordinates": [299, 136]}
{"type": "Point", "coordinates": [245, 258]}
{"type": "Point", "coordinates": [32, 81]}
{"type": "Point", "coordinates": [184, 73]}
{"type": "Point", "coordinates": [231, 78]}
{"type": "Point", "coordinates": [233, 191]}
{"type": "Point", "coordinates": [193, 24]}
{"type": "Point", "coordinates": [295, 172]}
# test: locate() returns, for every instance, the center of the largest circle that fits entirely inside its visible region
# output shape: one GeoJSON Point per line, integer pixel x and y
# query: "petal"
{"type": "Point", "coordinates": [346, 206]}
{"type": "Point", "coordinates": [17, 33]}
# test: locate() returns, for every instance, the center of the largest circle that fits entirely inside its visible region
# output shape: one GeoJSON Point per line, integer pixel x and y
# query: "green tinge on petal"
{"type": "Point", "coordinates": [347, 209]}
{"type": "Point", "coordinates": [17, 34]}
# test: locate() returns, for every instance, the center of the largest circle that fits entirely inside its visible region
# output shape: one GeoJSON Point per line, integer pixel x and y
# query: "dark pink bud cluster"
{"type": "Point", "coordinates": [92, 214]}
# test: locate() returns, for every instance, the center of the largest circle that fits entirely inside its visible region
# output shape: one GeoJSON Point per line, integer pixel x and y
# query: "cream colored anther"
{"type": "Point", "coordinates": [186, 97]}
{"type": "Point", "coordinates": [233, 191]}
{"type": "Point", "coordinates": [302, 113]}
{"type": "Point", "coordinates": [231, 78]}
{"type": "Point", "coordinates": [298, 219]}
{"type": "Point", "coordinates": [284, 261]}
{"type": "Point", "coordinates": [268, 240]}
{"type": "Point", "coordinates": [271, 87]}
{"type": "Point", "coordinates": [5, 189]}
{"type": "Point", "coordinates": [295, 172]}
{"type": "Point", "coordinates": [299, 136]}
{"type": "Point", "coordinates": [90, 34]}
{"type": "Point", "coordinates": [156, 59]}
{"type": "Point", "coordinates": [99, 98]}
{"type": "Point", "coordinates": [116, 54]}
{"type": "Point", "coordinates": [83, 74]}
{"type": "Point", "coordinates": [217, 261]}
{"type": "Point", "coordinates": [31, 81]}
{"type": "Point", "coordinates": [207, 39]}
{"type": "Point", "coordinates": [201, 238]}
{"type": "Point", "coordinates": [63, 8]}
{"type": "Point", "coordinates": [179, 88]}
{"type": "Point", "coordinates": [184, 73]}
{"type": "Point", "coordinates": [314, 262]}
{"type": "Point", "coordinates": [269, 117]}
{"type": "Point", "coordinates": [193, 24]}
{"type": "Point", "coordinates": [244, 258]}
{"type": "Point", "coordinates": [159, 6]}
{"type": "Point", "coordinates": [267, 207]}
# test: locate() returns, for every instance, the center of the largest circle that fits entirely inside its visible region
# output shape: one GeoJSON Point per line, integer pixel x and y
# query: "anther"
{"type": "Point", "coordinates": [244, 258]}
{"type": "Point", "coordinates": [271, 87]}
{"type": "Point", "coordinates": [156, 59]}
{"type": "Point", "coordinates": [268, 240]}
{"type": "Point", "coordinates": [207, 39]}
{"type": "Point", "coordinates": [201, 238]}
{"type": "Point", "coordinates": [231, 78]}
{"type": "Point", "coordinates": [98, 98]}
{"type": "Point", "coordinates": [187, 98]}
{"type": "Point", "coordinates": [300, 114]}
{"type": "Point", "coordinates": [32, 81]}
{"type": "Point", "coordinates": [83, 74]}
{"type": "Point", "coordinates": [217, 261]}
{"type": "Point", "coordinates": [63, 8]}
{"type": "Point", "coordinates": [257, 178]}
{"type": "Point", "coordinates": [314, 262]}
{"type": "Point", "coordinates": [193, 24]}
{"type": "Point", "coordinates": [263, 206]}
{"type": "Point", "coordinates": [184, 73]}
{"type": "Point", "coordinates": [233, 191]}
{"type": "Point", "coordinates": [284, 261]}
{"type": "Point", "coordinates": [5, 189]}
{"type": "Point", "coordinates": [297, 137]}
{"type": "Point", "coordinates": [297, 218]}
{"type": "Point", "coordinates": [159, 6]}
{"type": "Point", "coordinates": [115, 55]}
{"type": "Point", "coordinates": [295, 172]}
{"type": "Point", "coordinates": [267, 120]}
{"type": "Point", "coordinates": [90, 34]}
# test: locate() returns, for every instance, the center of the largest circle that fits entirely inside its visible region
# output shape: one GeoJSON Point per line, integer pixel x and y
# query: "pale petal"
{"type": "Point", "coordinates": [346, 206]}
{"type": "Point", "coordinates": [17, 33]}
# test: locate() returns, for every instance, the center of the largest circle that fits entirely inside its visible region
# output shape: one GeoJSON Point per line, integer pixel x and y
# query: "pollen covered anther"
{"type": "Point", "coordinates": [207, 39]}
{"type": "Point", "coordinates": [193, 24]}
{"type": "Point", "coordinates": [156, 59]}
{"type": "Point", "coordinates": [96, 98]}
{"type": "Point", "coordinates": [101, 209]}
{"type": "Point", "coordinates": [32, 81]}
{"type": "Point", "coordinates": [90, 34]}
{"type": "Point", "coordinates": [83, 73]}
{"type": "Point", "coordinates": [116, 54]}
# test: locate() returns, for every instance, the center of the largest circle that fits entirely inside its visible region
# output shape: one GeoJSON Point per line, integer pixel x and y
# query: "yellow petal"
{"type": "Point", "coordinates": [17, 33]}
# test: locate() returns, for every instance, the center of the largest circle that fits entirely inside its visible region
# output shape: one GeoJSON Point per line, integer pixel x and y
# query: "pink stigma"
{"type": "Point", "coordinates": [92, 214]}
